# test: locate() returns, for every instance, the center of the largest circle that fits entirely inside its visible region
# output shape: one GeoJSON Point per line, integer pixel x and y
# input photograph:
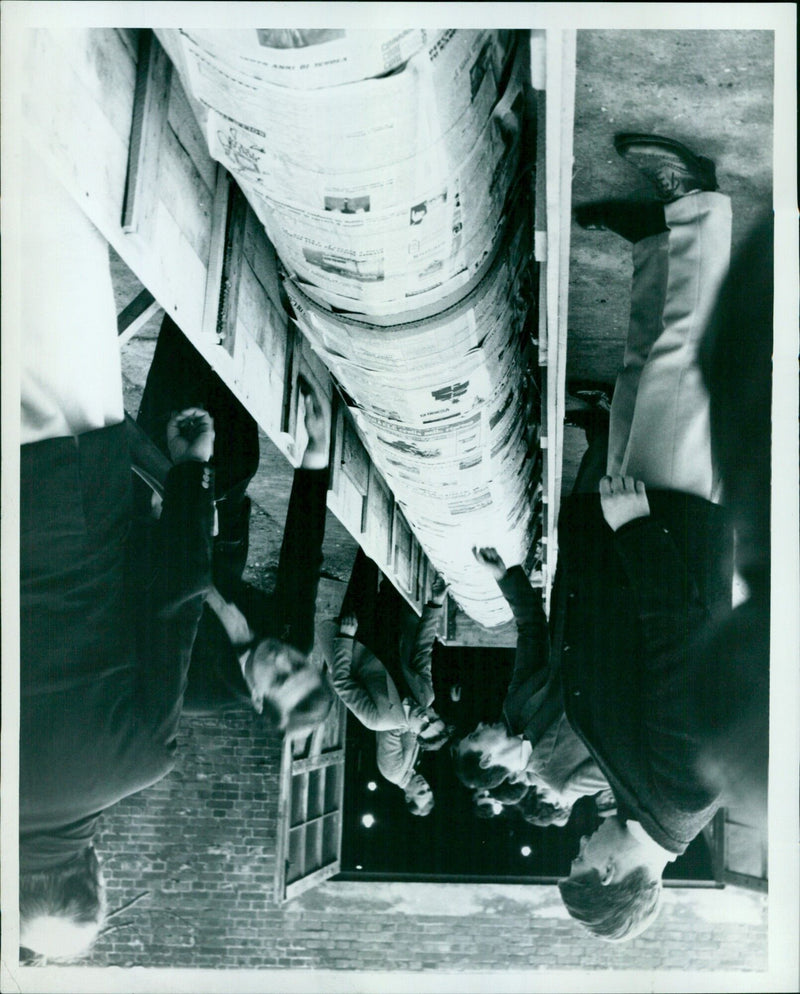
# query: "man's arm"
{"type": "Point", "coordinates": [418, 669]}
{"type": "Point", "coordinates": [288, 614]}
{"type": "Point", "coordinates": [531, 659]}
{"type": "Point", "coordinates": [180, 549]}
{"type": "Point", "coordinates": [353, 692]}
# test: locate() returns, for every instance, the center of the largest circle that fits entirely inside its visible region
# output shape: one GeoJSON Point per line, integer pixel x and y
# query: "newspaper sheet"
{"type": "Point", "coordinates": [384, 259]}
{"type": "Point", "coordinates": [262, 161]}
{"type": "Point", "coordinates": [379, 240]}
{"type": "Point", "coordinates": [334, 127]}
{"type": "Point", "coordinates": [306, 58]}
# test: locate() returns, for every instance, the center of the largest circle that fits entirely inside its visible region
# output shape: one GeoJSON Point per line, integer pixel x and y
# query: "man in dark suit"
{"type": "Point", "coordinates": [251, 647]}
{"type": "Point", "coordinates": [107, 615]}
{"type": "Point", "coordinates": [644, 563]}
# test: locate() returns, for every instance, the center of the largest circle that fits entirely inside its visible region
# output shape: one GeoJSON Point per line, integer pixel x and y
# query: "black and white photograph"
{"type": "Point", "coordinates": [394, 606]}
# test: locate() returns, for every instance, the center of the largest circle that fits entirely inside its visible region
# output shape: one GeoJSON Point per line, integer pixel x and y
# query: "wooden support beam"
{"type": "Point", "coordinates": [132, 318]}
{"type": "Point", "coordinates": [150, 103]}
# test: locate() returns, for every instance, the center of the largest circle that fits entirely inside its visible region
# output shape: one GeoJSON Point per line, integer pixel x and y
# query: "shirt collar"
{"type": "Point", "coordinates": [639, 833]}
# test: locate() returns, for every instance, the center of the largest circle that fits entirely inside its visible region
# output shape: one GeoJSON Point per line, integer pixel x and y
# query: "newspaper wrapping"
{"type": "Point", "coordinates": [387, 199]}
{"type": "Point", "coordinates": [378, 212]}
{"type": "Point", "coordinates": [448, 416]}
{"type": "Point", "coordinates": [307, 58]}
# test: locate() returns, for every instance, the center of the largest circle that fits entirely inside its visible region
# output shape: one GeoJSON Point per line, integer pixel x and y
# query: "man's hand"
{"type": "Point", "coordinates": [348, 625]}
{"type": "Point", "coordinates": [438, 589]}
{"type": "Point", "coordinates": [623, 499]}
{"type": "Point", "coordinates": [190, 435]}
{"type": "Point", "coordinates": [318, 425]}
{"type": "Point", "coordinates": [489, 558]}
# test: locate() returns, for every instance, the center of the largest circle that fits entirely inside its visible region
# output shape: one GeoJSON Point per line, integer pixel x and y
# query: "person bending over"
{"type": "Point", "coordinates": [403, 727]}
{"type": "Point", "coordinates": [251, 646]}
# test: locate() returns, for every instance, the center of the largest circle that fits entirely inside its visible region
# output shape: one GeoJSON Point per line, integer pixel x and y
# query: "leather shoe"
{"type": "Point", "coordinates": [671, 167]}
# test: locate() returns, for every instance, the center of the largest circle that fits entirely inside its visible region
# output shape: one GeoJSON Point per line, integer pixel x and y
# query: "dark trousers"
{"type": "Point", "coordinates": [593, 465]}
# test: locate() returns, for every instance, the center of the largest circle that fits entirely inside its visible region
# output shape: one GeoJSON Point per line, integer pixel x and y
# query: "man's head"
{"type": "Point", "coordinates": [614, 886]}
{"type": "Point", "coordinates": [419, 796]}
{"type": "Point", "coordinates": [485, 757]}
{"type": "Point", "coordinates": [62, 910]}
{"type": "Point", "coordinates": [494, 802]}
{"type": "Point", "coordinates": [286, 686]}
{"type": "Point", "coordinates": [434, 735]}
{"type": "Point", "coordinates": [542, 807]}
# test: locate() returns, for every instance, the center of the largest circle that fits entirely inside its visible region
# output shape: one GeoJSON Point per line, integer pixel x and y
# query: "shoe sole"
{"type": "Point", "coordinates": [624, 140]}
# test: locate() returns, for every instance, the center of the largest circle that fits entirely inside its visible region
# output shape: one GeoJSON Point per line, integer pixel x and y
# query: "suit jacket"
{"type": "Point", "coordinates": [215, 677]}
{"type": "Point", "coordinates": [365, 686]}
{"type": "Point", "coordinates": [624, 611]}
{"type": "Point", "coordinates": [109, 611]}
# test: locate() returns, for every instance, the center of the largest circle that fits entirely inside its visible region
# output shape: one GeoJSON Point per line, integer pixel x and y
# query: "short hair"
{"type": "Point", "coordinates": [310, 712]}
{"type": "Point", "coordinates": [436, 743]}
{"type": "Point", "coordinates": [509, 792]}
{"type": "Point", "coordinates": [616, 911]}
{"type": "Point", "coordinates": [306, 715]}
{"type": "Point", "coordinates": [62, 910]}
{"type": "Point", "coordinates": [468, 769]}
{"type": "Point", "coordinates": [536, 811]}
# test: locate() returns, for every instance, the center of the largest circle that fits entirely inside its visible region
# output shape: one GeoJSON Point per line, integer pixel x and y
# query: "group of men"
{"type": "Point", "coordinates": [621, 686]}
{"type": "Point", "coordinates": [134, 609]}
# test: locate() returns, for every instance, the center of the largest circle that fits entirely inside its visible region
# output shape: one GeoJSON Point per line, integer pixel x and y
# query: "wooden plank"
{"type": "Point", "coordinates": [132, 311]}
{"type": "Point", "coordinates": [169, 39]}
{"type": "Point", "coordinates": [135, 316]}
{"type": "Point", "coordinates": [150, 101]}
{"type": "Point", "coordinates": [282, 821]}
{"type": "Point", "coordinates": [290, 402]}
{"type": "Point", "coordinates": [757, 884]}
{"type": "Point", "coordinates": [130, 39]}
{"type": "Point", "coordinates": [106, 63]}
{"type": "Point", "coordinates": [260, 253]}
{"type": "Point", "coordinates": [183, 123]}
{"type": "Point", "coordinates": [183, 192]}
{"type": "Point", "coordinates": [81, 125]}
{"type": "Point", "coordinates": [317, 762]}
{"type": "Point", "coordinates": [379, 516]}
{"type": "Point", "coordinates": [312, 880]}
{"type": "Point", "coordinates": [560, 112]}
